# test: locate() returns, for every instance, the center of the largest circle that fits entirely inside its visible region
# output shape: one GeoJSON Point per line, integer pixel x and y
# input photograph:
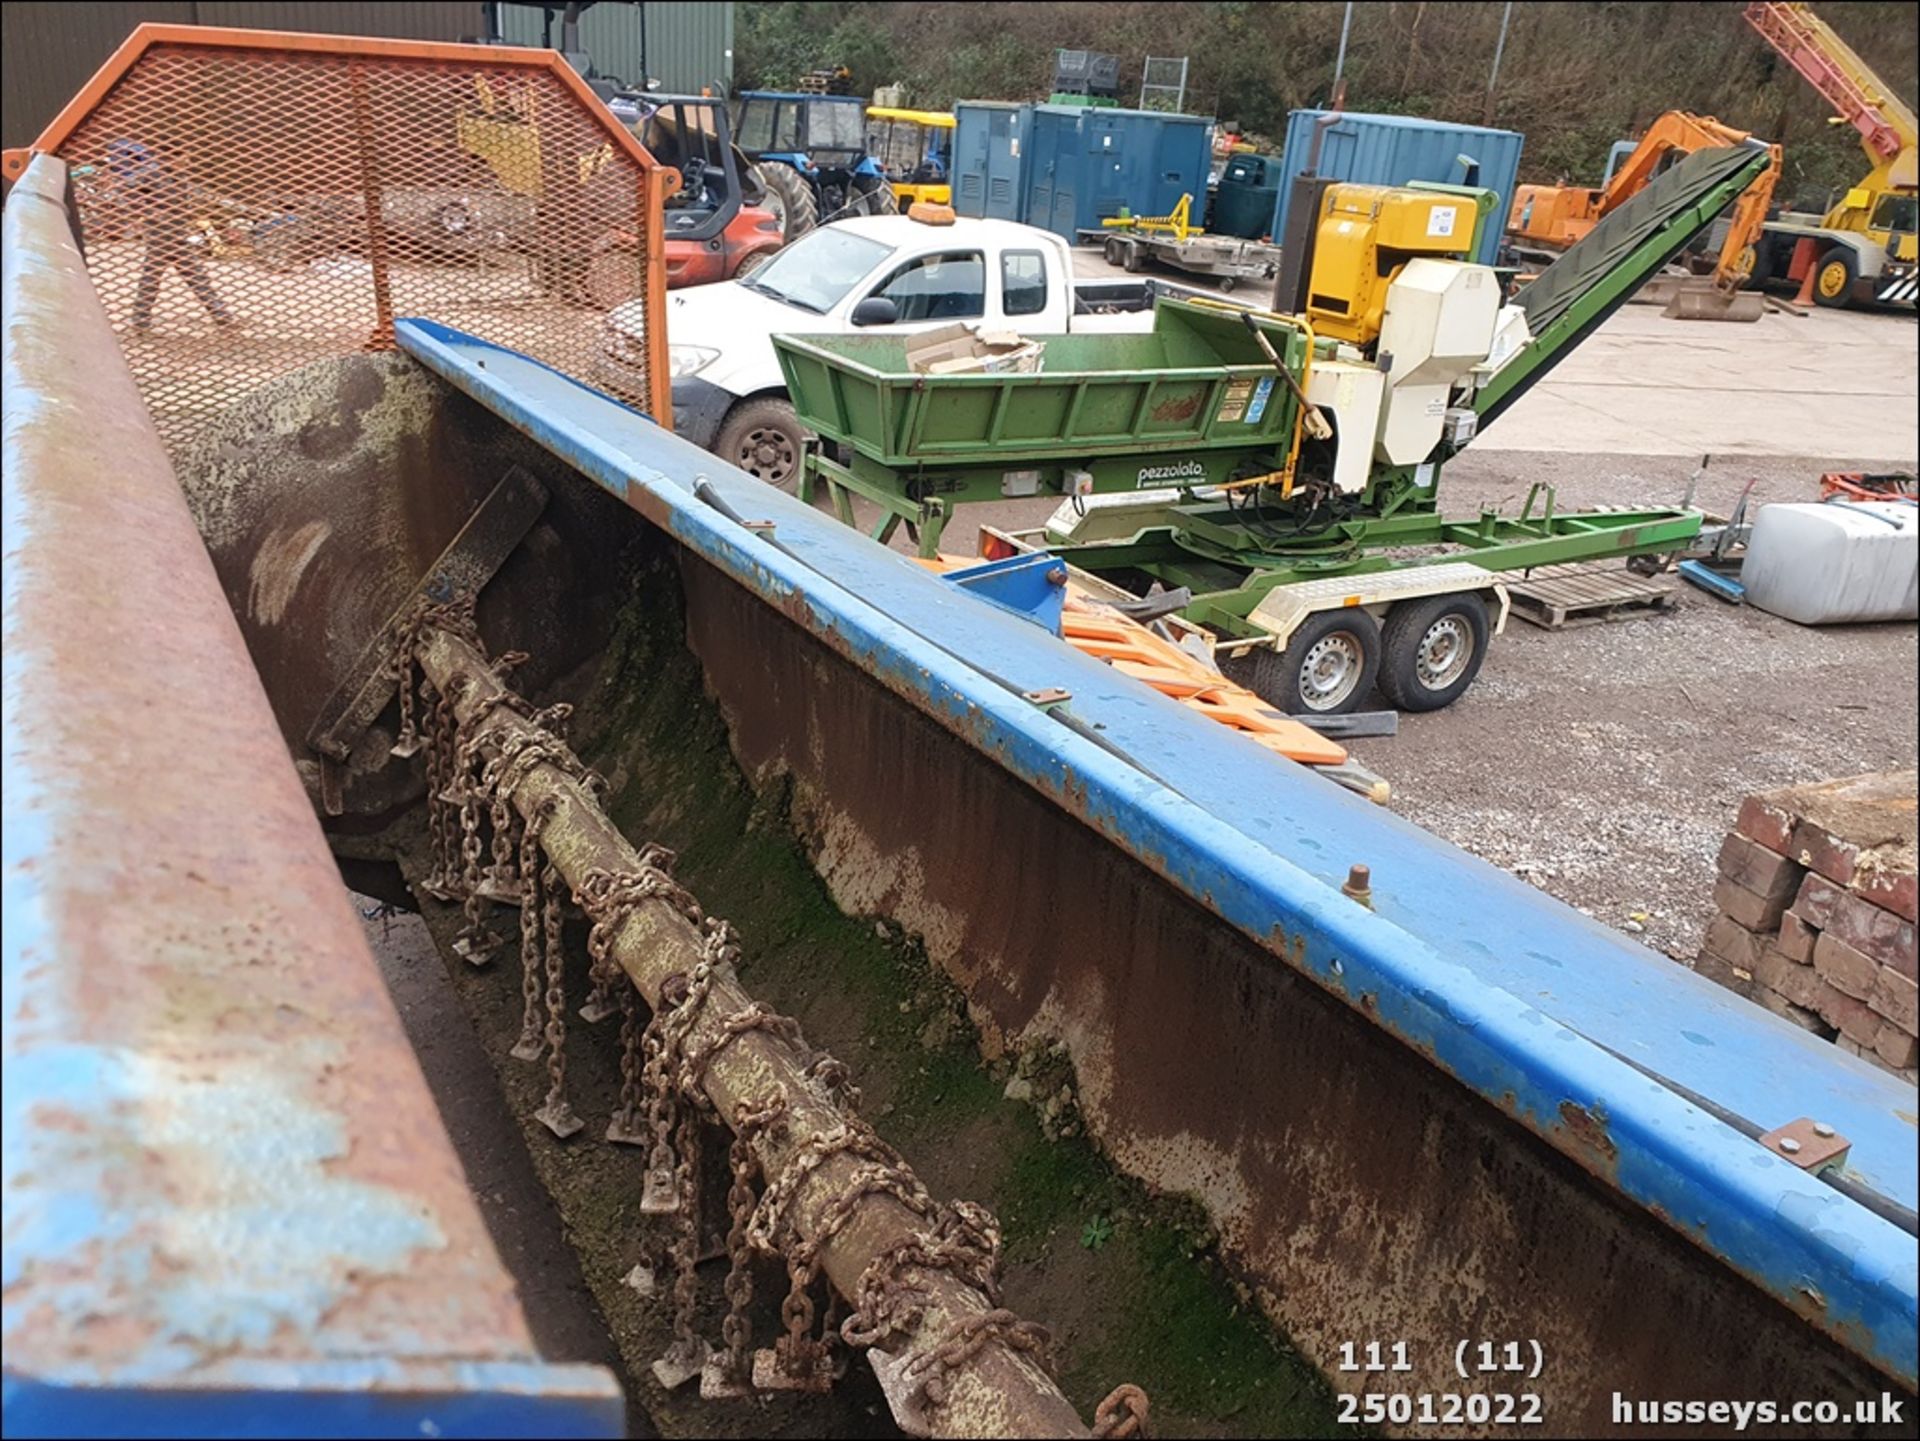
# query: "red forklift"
{"type": "Point", "coordinates": [716, 226]}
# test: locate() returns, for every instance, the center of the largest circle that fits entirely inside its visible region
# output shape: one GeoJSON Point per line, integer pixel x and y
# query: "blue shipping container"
{"type": "Point", "coordinates": [989, 159]}
{"type": "Point", "coordinates": [1393, 149]}
{"type": "Point", "coordinates": [1086, 165]}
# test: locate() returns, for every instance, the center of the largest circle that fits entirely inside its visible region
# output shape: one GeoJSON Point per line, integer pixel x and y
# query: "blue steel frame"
{"type": "Point", "coordinates": [230, 1207]}
{"type": "Point", "coordinates": [1519, 997]}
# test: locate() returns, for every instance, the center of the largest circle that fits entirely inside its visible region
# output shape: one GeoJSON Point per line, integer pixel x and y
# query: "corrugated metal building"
{"type": "Point", "coordinates": [49, 50]}
{"type": "Point", "coordinates": [683, 46]}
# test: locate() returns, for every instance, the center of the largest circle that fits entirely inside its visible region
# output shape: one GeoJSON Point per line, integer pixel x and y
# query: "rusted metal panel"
{"type": "Point", "coordinates": [226, 1187]}
{"type": "Point", "coordinates": [1497, 996]}
{"type": "Point", "coordinates": [1359, 1190]}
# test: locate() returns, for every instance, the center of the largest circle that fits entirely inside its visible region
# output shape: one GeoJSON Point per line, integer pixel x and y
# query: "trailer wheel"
{"type": "Point", "coordinates": [765, 439]}
{"type": "Point", "coordinates": [1131, 260]}
{"type": "Point", "coordinates": [1227, 282]}
{"type": "Point", "coordinates": [1110, 250]}
{"type": "Point", "coordinates": [1833, 278]}
{"type": "Point", "coordinates": [1327, 668]}
{"type": "Point", "coordinates": [1432, 649]}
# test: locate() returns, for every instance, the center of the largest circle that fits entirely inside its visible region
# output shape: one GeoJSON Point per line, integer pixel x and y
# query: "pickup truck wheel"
{"type": "Point", "coordinates": [789, 197]}
{"type": "Point", "coordinates": [1833, 278]}
{"type": "Point", "coordinates": [765, 439]}
{"type": "Point", "coordinates": [1327, 668]}
{"type": "Point", "coordinates": [1432, 649]}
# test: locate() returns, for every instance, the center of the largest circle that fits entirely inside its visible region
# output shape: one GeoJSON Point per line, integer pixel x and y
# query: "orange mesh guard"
{"type": "Point", "coordinates": [252, 201]}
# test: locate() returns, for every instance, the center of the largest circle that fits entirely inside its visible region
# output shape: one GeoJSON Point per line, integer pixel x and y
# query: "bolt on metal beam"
{"type": "Point", "coordinates": [996, 1391]}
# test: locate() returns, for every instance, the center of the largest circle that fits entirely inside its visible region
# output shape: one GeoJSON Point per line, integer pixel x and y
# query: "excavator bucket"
{"type": "Point", "coordinates": [1706, 301]}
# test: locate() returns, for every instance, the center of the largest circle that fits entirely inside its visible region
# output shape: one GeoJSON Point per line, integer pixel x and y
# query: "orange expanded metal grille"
{"type": "Point", "coordinates": [247, 211]}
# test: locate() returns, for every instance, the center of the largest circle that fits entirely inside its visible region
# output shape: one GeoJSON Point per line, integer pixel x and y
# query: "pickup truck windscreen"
{"type": "Point", "coordinates": [817, 270]}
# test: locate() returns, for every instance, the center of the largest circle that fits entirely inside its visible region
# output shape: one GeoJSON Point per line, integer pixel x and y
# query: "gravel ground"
{"type": "Point", "coordinates": [1604, 764]}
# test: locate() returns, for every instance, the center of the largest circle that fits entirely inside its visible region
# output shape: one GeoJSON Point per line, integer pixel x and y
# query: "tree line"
{"type": "Point", "coordinates": [1573, 77]}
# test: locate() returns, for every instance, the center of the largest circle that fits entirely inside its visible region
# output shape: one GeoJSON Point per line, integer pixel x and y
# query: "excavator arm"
{"type": "Point", "coordinates": [1670, 139]}
{"type": "Point", "coordinates": [1679, 133]}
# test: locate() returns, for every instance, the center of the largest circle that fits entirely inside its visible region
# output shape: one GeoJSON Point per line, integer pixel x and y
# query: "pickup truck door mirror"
{"type": "Point", "coordinates": [876, 310]}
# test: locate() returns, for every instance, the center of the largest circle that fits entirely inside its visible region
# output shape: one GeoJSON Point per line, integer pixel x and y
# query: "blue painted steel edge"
{"type": "Point", "coordinates": [1479, 1012]}
{"type": "Point", "coordinates": [230, 1206]}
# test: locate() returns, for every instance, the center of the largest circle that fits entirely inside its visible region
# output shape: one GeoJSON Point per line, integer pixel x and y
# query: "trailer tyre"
{"type": "Point", "coordinates": [1328, 667]}
{"type": "Point", "coordinates": [789, 197]}
{"type": "Point", "coordinates": [1833, 278]}
{"type": "Point", "coordinates": [1432, 649]}
{"type": "Point", "coordinates": [765, 439]}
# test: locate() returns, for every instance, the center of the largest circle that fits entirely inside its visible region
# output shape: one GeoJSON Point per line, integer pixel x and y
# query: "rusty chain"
{"type": "Point", "coordinates": [532, 1039]}
{"type": "Point", "coordinates": [965, 1243]}
{"type": "Point", "coordinates": [442, 736]}
{"type": "Point", "coordinates": [557, 1112]}
{"type": "Point", "coordinates": [1122, 1413]}
{"type": "Point", "coordinates": [929, 1369]}
{"type": "Point", "coordinates": [687, 1347]}
{"type": "Point", "coordinates": [733, 1375]}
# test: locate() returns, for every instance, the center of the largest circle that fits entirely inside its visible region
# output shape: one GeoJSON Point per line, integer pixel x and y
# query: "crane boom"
{"type": "Point", "coordinates": [1886, 124]}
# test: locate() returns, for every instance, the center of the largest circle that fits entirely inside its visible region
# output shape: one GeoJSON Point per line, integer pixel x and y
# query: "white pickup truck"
{"type": "Point", "coordinates": [881, 272]}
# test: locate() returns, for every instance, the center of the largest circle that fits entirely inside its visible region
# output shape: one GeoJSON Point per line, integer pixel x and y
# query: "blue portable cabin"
{"type": "Point", "coordinates": [1087, 165]}
{"type": "Point", "coordinates": [989, 158]}
{"type": "Point", "coordinates": [1393, 149]}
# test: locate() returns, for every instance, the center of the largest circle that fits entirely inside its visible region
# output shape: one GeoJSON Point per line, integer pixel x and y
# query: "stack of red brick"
{"type": "Point", "coordinates": [1817, 898]}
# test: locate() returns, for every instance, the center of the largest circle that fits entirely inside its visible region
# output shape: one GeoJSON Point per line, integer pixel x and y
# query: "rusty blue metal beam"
{"type": "Point", "coordinates": [229, 1204]}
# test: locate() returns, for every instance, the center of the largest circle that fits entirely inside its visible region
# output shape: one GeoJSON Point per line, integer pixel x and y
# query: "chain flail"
{"type": "Point", "coordinates": [476, 940]}
{"type": "Point", "coordinates": [442, 829]}
{"type": "Point", "coordinates": [730, 1371]}
{"type": "Point", "coordinates": [532, 1039]}
{"type": "Point", "coordinates": [557, 1113]}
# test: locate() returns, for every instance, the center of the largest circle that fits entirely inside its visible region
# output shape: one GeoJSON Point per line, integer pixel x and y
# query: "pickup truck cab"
{"type": "Point", "coordinates": [883, 272]}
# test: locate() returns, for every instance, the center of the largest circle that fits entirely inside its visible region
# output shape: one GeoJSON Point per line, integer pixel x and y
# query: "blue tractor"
{"type": "Point", "coordinates": [810, 157]}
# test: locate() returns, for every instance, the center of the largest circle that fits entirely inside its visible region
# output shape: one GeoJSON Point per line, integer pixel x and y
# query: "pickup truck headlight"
{"type": "Point", "coordinates": [689, 359]}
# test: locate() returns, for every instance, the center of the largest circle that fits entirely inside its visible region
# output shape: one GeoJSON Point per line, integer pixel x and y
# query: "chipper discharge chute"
{"type": "Point", "coordinates": [352, 603]}
{"type": "Point", "coordinates": [1285, 468]}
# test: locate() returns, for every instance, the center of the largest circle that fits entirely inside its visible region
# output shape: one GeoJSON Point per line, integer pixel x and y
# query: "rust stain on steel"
{"type": "Point", "coordinates": [1344, 1170]}
{"type": "Point", "coordinates": [268, 1170]}
{"type": "Point", "coordinates": [1592, 1143]}
{"type": "Point", "coordinates": [1178, 408]}
{"type": "Point", "coordinates": [1000, 1392]}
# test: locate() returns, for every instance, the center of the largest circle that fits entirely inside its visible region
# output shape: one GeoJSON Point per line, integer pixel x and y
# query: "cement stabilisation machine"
{"type": "Point", "coordinates": [1282, 467]}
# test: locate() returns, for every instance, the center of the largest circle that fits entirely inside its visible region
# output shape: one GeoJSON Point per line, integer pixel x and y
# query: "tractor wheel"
{"type": "Point", "coordinates": [874, 196]}
{"type": "Point", "coordinates": [1432, 649]}
{"type": "Point", "coordinates": [1833, 278]}
{"type": "Point", "coordinates": [790, 198]}
{"type": "Point", "coordinates": [1327, 668]}
{"type": "Point", "coordinates": [765, 439]}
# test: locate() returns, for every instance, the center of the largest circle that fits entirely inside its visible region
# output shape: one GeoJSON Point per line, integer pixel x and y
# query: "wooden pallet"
{"type": "Point", "coordinates": [1559, 597]}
